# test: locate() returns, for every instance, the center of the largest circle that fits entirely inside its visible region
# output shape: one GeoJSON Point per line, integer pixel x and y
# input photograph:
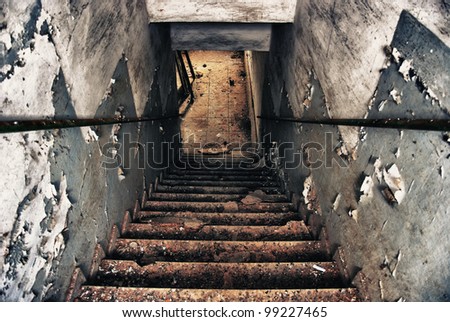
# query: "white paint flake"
{"type": "Point", "coordinates": [404, 69]}
{"type": "Point", "coordinates": [395, 182]}
{"type": "Point", "coordinates": [366, 189]}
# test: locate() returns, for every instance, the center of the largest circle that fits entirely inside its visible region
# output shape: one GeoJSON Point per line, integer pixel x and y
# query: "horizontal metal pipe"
{"type": "Point", "coordinates": [391, 123]}
{"type": "Point", "coordinates": [38, 125]}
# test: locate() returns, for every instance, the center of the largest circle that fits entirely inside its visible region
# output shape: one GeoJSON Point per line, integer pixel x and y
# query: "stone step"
{"type": "Point", "coordinates": [148, 251]}
{"type": "Point", "coordinates": [231, 206]}
{"type": "Point", "coordinates": [226, 159]}
{"type": "Point", "coordinates": [215, 218]}
{"type": "Point", "coordinates": [138, 294]}
{"type": "Point", "coordinates": [215, 189]}
{"type": "Point", "coordinates": [218, 177]}
{"type": "Point", "coordinates": [247, 184]}
{"type": "Point", "coordinates": [217, 164]}
{"type": "Point", "coordinates": [245, 172]}
{"type": "Point", "coordinates": [219, 275]}
{"type": "Point", "coordinates": [292, 230]}
{"type": "Point", "coordinates": [191, 197]}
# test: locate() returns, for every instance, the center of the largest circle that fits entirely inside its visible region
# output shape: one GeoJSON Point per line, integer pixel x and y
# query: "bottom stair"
{"type": "Point", "coordinates": [131, 294]}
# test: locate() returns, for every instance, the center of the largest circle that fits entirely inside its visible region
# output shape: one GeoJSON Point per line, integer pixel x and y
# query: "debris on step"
{"type": "Point", "coordinates": [231, 206]}
{"type": "Point", "coordinates": [319, 268]}
{"type": "Point", "coordinates": [251, 200]}
{"type": "Point", "coordinates": [214, 150]}
{"type": "Point", "coordinates": [260, 194]}
{"type": "Point", "coordinates": [366, 189]}
{"type": "Point", "coordinates": [395, 183]}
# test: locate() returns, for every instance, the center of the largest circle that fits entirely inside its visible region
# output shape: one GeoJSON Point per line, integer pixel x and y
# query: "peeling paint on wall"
{"type": "Point", "coordinates": [56, 200]}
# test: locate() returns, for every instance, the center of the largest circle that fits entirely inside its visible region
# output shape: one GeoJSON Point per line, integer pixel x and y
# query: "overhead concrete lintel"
{"type": "Point", "coordinates": [220, 36]}
{"type": "Point", "coordinates": [245, 11]}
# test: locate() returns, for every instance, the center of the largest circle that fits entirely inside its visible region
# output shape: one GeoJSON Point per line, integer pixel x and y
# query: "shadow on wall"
{"type": "Point", "coordinates": [98, 196]}
{"type": "Point", "coordinates": [100, 193]}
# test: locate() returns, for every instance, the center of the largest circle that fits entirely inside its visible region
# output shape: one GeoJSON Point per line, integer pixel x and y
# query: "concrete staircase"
{"type": "Point", "coordinates": [213, 232]}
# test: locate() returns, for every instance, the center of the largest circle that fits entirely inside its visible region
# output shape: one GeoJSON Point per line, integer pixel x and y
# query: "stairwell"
{"type": "Point", "coordinates": [213, 229]}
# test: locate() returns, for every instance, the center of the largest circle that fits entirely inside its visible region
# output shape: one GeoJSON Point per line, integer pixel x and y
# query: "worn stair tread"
{"type": "Point", "coordinates": [292, 230]}
{"type": "Point", "coordinates": [230, 206]}
{"type": "Point", "coordinates": [236, 155]}
{"type": "Point", "coordinates": [219, 160]}
{"type": "Point", "coordinates": [219, 275]}
{"type": "Point", "coordinates": [217, 165]}
{"type": "Point", "coordinates": [248, 184]}
{"type": "Point", "coordinates": [146, 251]}
{"type": "Point", "coordinates": [135, 294]}
{"type": "Point", "coordinates": [242, 172]}
{"type": "Point", "coordinates": [165, 196]}
{"type": "Point", "coordinates": [218, 218]}
{"type": "Point", "coordinates": [215, 189]}
{"type": "Point", "coordinates": [216, 177]}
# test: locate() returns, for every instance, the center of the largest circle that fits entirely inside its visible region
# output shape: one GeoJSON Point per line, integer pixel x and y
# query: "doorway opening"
{"type": "Point", "coordinates": [217, 120]}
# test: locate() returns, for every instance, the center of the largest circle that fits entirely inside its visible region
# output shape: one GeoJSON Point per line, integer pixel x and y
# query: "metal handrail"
{"type": "Point", "coordinates": [391, 123]}
{"type": "Point", "coordinates": [37, 125]}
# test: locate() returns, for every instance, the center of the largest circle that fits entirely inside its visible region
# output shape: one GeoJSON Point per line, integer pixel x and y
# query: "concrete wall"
{"type": "Point", "coordinates": [333, 62]}
{"type": "Point", "coordinates": [344, 44]}
{"type": "Point", "coordinates": [261, 11]}
{"type": "Point", "coordinates": [220, 36]}
{"type": "Point", "coordinates": [58, 196]}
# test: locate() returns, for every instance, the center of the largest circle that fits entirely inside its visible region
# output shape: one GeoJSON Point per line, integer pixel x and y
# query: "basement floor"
{"type": "Point", "coordinates": [219, 116]}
